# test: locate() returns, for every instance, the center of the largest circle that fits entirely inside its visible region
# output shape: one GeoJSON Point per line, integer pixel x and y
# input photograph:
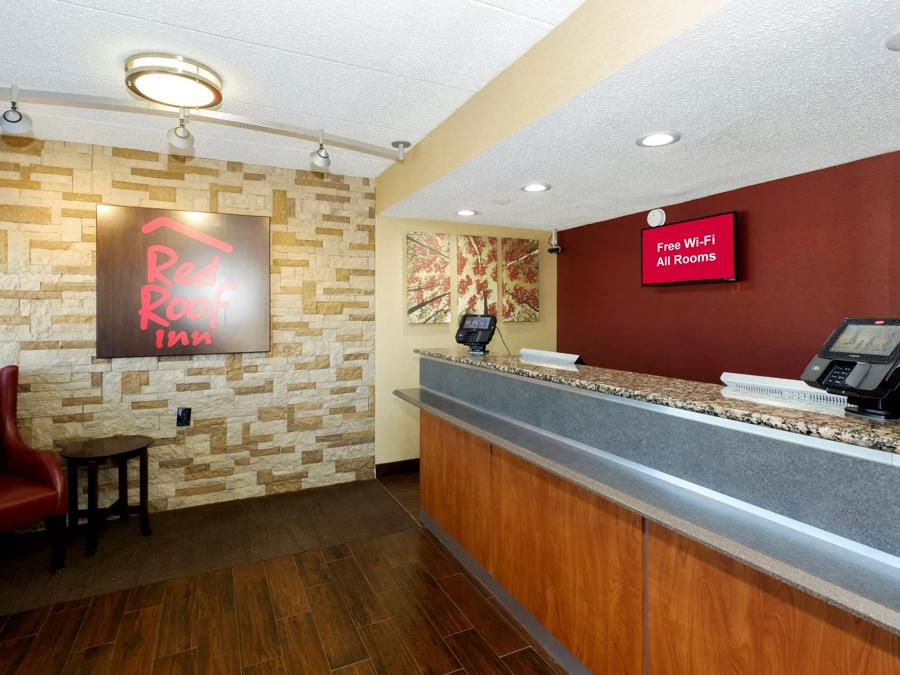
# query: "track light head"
{"type": "Point", "coordinates": [13, 121]}
{"type": "Point", "coordinates": [320, 157]}
{"type": "Point", "coordinates": [180, 137]}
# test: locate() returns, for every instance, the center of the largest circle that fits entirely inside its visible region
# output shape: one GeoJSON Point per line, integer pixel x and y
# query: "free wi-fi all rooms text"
{"type": "Point", "coordinates": [668, 255]}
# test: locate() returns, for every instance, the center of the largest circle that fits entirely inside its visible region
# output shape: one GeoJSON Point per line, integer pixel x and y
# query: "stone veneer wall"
{"type": "Point", "coordinates": [299, 416]}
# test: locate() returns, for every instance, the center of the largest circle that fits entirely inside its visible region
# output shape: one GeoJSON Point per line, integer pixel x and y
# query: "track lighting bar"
{"type": "Point", "coordinates": [53, 98]}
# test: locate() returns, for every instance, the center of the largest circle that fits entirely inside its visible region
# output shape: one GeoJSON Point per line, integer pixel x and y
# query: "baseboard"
{"type": "Point", "coordinates": [394, 468]}
{"type": "Point", "coordinates": [553, 646]}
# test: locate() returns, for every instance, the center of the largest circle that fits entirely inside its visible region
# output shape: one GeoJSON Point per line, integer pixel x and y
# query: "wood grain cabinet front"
{"type": "Point", "coordinates": [709, 614]}
{"type": "Point", "coordinates": [572, 560]}
{"type": "Point", "coordinates": [455, 475]}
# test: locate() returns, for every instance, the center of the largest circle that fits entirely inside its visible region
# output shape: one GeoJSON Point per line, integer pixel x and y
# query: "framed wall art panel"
{"type": "Point", "coordinates": [476, 267]}
{"type": "Point", "coordinates": [520, 279]}
{"type": "Point", "coordinates": [427, 277]}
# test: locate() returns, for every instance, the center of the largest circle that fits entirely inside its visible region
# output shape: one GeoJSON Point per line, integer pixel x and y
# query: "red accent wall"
{"type": "Point", "coordinates": [812, 249]}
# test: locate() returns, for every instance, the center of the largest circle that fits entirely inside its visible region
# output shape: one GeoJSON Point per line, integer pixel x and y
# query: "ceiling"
{"type": "Point", "coordinates": [760, 90]}
{"type": "Point", "coordinates": [374, 71]}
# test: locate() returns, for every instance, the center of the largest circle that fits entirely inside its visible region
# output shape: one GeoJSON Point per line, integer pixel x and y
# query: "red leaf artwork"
{"type": "Point", "coordinates": [520, 280]}
{"type": "Point", "coordinates": [427, 277]}
{"type": "Point", "coordinates": [476, 268]}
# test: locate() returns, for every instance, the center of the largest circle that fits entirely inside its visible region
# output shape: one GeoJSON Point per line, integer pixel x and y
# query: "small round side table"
{"type": "Point", "coordinates": [114, 450]}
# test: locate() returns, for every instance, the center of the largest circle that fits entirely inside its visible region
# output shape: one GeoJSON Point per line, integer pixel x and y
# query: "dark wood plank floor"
{"type": "Point", "coordinates": [390, 604]}
{"type": "Point", "coordinates": [195, 540]}
{"type": "Point", "coordinates": [404, 488]}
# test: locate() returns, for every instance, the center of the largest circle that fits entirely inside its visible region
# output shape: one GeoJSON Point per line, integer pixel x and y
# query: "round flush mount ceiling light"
{"type": "Point", "coordinates": [658, 139]}
{"type": "Point", "coordinates": [173, 80]}
{"type": "Point", "coordinates": [466, 212]}
{"type": "Point", "coordinates": [535, 187]}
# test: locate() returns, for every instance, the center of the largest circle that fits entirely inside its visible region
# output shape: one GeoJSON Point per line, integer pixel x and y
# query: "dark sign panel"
{"type": "Point", "coordinates": [181, 282]}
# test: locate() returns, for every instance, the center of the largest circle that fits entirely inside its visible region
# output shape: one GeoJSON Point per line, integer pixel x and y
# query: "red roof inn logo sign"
{"type": "Point", "coordinates": [159, 307]}
{"type": "Point", "coordinates": [179, 282]}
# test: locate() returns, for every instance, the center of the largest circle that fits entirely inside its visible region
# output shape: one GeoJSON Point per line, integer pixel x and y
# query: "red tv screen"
{"type": "Point", "coordinates": [692, 251]}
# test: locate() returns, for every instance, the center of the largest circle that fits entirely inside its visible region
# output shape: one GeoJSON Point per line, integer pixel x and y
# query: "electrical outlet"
{"type": "Point", "coordinates": [183, 417]}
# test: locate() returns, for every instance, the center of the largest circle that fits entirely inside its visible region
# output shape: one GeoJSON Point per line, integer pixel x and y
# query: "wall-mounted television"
{"type": "Point", "coordinates": [695, 251]}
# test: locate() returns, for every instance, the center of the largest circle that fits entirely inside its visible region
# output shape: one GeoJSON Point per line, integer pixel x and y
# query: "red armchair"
{"type": "Point", "coordinates": [31, 483]}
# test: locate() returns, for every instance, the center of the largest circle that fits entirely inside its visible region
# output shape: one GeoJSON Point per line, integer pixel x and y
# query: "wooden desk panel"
{"type": "Point", "coordinates": [711, 615]}
{"type": "Point", "coordinates": [455, 474]}
{"type": "Point", "coordinates": [571, 559]}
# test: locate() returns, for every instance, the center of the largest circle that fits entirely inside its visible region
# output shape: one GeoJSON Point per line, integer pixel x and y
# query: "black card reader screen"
{"type": "Point", "coordinates": [867, 339]}
{"type": "Point", "coordinates": [477, 322]}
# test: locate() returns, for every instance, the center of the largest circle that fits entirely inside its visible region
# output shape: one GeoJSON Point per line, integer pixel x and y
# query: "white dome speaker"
{"type": "Point", "coordinates": [656, 217]}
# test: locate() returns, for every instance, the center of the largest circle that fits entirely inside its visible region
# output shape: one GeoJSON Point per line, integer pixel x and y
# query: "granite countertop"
{"type": "Point", "coordinates": [699, 397]}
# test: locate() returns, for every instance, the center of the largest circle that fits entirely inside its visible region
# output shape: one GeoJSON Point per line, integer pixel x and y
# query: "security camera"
{"type": "Point", "coordinates": [553, 247]}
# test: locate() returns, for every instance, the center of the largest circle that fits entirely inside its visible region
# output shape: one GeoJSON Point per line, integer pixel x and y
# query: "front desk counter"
{"type": "Point", "coordinates": [641, 524]}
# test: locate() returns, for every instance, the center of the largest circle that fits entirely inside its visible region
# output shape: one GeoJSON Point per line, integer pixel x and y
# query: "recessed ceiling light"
{"type": "Point", "coordinates": [536, 187]}
{"type": "Point", "coordinates": [658, 138]}
{"type": "Point", "coordinates": [466, 212]}
{"type": "Point", "coordinates": [500, 201]}
{"type": "Point", "coordinates": [173, 80]}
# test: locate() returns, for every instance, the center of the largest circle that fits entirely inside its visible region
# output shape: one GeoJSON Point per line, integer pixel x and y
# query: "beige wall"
{"type": "Point", "coordinates": [396, 422]}
{"type": "Point", "coordinates": [298, 416]}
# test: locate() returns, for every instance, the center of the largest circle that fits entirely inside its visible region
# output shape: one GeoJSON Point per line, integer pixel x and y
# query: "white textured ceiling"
{"type": "Point", "coordinates": [372, 70]}
{"type": "Point", "coordinates": [760, 90]}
